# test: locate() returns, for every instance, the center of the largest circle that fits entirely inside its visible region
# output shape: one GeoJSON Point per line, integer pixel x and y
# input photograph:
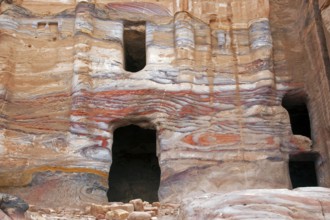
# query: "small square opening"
{"type": "Point", "coordinates": [51, 27]}
{"type": "Point", "coordinates": [302, 169]}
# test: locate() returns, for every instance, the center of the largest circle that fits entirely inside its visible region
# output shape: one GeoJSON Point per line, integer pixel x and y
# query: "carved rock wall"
{"type": "Point", "coordinates": [301, 65]}
{"type": "Point", "coordinates": [301, 203]}
{"type": "Point", "coordinates": [324, 11]}
{"type": "Point", "coordinates": [212, 87]}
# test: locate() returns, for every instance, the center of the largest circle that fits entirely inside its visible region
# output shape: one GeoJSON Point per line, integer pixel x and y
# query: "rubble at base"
{"type": "Point", "coordinates": [134, 210]}
{"type": "Point", "coordinates": [307, 203]}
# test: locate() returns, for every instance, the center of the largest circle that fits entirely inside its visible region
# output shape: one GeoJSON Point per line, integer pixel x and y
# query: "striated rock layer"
{"type": "Point", "coordinates": [212, 87]}
{"type": "Point", "coordinates": [301, 203]}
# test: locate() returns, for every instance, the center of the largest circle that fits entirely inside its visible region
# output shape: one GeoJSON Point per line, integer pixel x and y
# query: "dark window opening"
{"type": "Point", "coordinates": [303, 170]}
{"type": "Point", "coordinates": [299, 116]}
{"type": "Point", "coordinates": [135, 45]}
{"type": "Point", "coordinates": [135, 171]}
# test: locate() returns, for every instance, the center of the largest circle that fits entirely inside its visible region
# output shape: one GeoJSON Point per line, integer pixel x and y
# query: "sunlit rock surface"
{"type": "Point", "coordinates": [301, 203]}
{"type": "Point", "coordinates": [212, 88]}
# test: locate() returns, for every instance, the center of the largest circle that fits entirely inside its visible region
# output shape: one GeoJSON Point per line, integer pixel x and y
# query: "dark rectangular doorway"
{"type": "Point", "coordinates": [302, 170]}
{"type": "Point", "coordinates": [135, 171]}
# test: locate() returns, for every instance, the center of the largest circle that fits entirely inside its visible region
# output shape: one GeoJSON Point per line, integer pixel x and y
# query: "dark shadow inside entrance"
{"type": "Point", "coordinates": [135, 171]}
{"type": "Point", "coordinates": [299, 116]}
{"type": "Point", "coordinates": [135, 45]}
{"type": "Point", "coordinates": [302, 169]}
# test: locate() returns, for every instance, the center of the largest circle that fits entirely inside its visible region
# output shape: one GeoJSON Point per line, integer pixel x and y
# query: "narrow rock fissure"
{"type": "Point", "coordinates": [135, 172]}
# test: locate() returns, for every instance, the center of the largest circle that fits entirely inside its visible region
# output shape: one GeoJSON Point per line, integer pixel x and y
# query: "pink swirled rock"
{"type": "Point", "coordinates": [140, 7]}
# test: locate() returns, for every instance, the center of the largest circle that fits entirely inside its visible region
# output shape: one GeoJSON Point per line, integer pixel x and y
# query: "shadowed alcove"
{"type": "Point", "coordinates": [303, 170]}
{"type": "Point", "coordinates": [135, 171]}
{"type": "Point", "coordinates": [299, 115]}
{"type": "Point", "coordinates": [302, 167]}
{"type": "Point", "coordinates": [135, 45]}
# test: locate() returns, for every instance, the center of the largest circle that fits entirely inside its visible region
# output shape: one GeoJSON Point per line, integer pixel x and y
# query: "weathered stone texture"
{"type": "Point", "coordinates": [301, 66]}
{"type": "Point", "coordinates": [301, 203]}
{"type": "Point", "coordinates": [325, 13]}
{"type": "Point", "coordinates": [215, 76]}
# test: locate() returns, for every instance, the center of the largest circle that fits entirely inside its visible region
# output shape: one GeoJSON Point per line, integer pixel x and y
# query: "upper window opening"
{"type": "Point", "coordinates": [299, 116]}
{"type": "Point", "coordinates": [135, 45]}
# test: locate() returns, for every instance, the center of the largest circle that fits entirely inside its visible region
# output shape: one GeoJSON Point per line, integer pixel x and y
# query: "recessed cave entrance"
{"type": "Point", "coordinates": [299, 116]}
{"type": "Point", "coordinates": [135, 45]}
{"type": "Point", "coordinates": [135, 171]}
{"type": "Point", "coordinates": [302, 166]}
{"type": "Point", "coordinates": [303, 170]}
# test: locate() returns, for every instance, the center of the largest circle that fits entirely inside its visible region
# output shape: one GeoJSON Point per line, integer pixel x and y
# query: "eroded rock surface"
{"type": "Point", "coordinates": [301, 203]}
{"type": "Point", "coordinates": [311, 203]}
{"type": "Point", "coordinates": [12, 207]}
{"type": "Point", "coordinates": [109, 211]}
{"type": "Point", "coordinates": [212, 87]}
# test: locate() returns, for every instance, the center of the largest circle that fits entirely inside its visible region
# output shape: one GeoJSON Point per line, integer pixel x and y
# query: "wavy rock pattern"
{"type": "Point", "coordinates": [212, 87]}
{"type": "Point", "coordinates": [140, 7]}
{"type": "Point", "coordinates": [301, 203]}
{"type": "Point", "coordinates": [301, 66]}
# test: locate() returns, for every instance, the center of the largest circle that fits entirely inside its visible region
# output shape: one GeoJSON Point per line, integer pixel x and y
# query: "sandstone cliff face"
{"type": "Point", "coordinates": [301, 64]}
{"type": "Point", "coordinates": [324, 11]}
{"type": "Point", "coordinates": [212, 87]}
{"type": "Point", "coordinates": [302, 203]}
